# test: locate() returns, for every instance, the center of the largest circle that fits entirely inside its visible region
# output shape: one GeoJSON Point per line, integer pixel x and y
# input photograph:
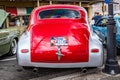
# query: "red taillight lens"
{"type": "Point", "coordinates": [24, 50]}
{"type": "Point", "coordinates": [94, 50]}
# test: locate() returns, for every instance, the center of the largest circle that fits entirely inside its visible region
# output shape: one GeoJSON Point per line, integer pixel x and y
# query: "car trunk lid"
{"type": "Point", "coordinates": [59, 41]}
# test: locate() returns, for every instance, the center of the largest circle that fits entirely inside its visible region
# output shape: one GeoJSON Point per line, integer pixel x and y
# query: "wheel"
{"type": "Point", "coordinates": [13, 48]}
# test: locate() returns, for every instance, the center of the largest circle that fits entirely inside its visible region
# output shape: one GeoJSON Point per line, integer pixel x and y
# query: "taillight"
{"type": "Point", "coordinates": [24, 50]}
{"type": "Point", "coordinates": [94, 50]}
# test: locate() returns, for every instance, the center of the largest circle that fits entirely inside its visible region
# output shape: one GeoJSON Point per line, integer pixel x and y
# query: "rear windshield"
{"type": "Point", "coordinates": [59, 13]}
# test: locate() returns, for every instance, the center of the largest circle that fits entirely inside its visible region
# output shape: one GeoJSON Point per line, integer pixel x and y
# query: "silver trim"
{"type": "Point", "coordinates": [59, 54]}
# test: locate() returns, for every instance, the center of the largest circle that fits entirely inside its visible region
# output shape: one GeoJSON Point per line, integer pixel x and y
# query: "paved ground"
{"type": "Point", "coordinates": [95, 74]}
{"type": "Point", "coordinates": [90, 74]}
{"type": "Point", "coordinates": [9, 70]}
{"type": "Point", "coordinates": [87, 74]}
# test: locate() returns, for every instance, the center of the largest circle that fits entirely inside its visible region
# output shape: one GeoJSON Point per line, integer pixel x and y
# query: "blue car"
{"type": "Point", "coordinates": [101, 29]}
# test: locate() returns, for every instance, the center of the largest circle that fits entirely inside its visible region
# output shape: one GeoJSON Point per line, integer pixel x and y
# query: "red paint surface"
{"type": "Point", "coordinates": [78, 39]}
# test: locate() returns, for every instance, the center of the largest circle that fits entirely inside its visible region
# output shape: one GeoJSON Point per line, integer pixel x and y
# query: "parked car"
{"type": "Point", "coordinates": [101, 29]}
{"type": "Point", "coordinates": [58, 36]}
{"type": "Point", "coordinates": [9, 35]}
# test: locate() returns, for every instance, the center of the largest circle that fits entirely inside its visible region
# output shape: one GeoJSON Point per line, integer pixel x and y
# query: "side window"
{"type": "Point", "coordinates": [102, 23]}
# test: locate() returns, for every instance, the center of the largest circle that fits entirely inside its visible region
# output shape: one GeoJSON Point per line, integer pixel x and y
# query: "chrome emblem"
{"type": "Point", "coordinates": [59, 54]}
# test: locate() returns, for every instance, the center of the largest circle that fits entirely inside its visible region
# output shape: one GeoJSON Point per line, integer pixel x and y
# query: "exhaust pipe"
{"type": "Point", "coordinates": [84, 70]}
{"type": "Point", "coordinates": [35, 70]}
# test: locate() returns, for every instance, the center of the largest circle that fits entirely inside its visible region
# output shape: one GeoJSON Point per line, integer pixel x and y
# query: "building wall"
{"type": "Point", "coordinates": [117, 7]}
{"type": "Point", "coordinates": [17, 4]}
{"type": "Point", "coordinates": [102, 8]}
{"type": "Point", "coordinates": [26, 4]}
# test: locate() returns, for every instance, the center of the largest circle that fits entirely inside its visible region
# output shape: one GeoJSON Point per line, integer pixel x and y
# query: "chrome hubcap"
{"type": "Point", "coordinates": [14, 47]}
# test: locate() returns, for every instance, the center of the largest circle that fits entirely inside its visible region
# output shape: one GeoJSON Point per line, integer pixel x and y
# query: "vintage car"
{"type": "Point", "coordinates": [8, 35]}
{"type": "Point", "coordinates": [59, 36]}
{"type": "Point", "coordinates": [101, 28]}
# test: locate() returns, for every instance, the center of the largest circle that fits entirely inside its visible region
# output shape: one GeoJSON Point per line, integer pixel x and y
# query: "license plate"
{"type": "Point", "coordinates": [59, 41]}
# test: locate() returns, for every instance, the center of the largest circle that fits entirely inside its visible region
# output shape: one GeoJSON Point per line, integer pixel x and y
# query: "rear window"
{"type": "Point", "coordinates": [59, 13]}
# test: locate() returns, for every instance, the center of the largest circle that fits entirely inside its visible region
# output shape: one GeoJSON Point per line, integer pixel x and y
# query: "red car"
{"type": "Point", "coordinates": [59, 36]}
